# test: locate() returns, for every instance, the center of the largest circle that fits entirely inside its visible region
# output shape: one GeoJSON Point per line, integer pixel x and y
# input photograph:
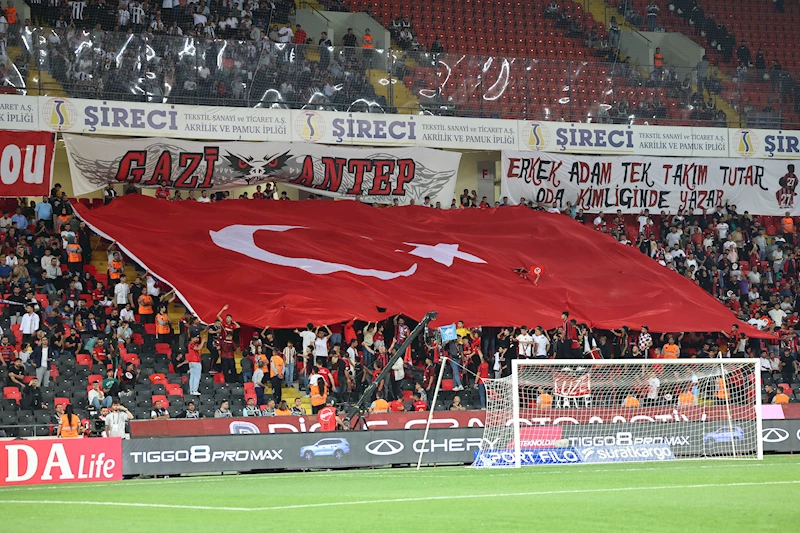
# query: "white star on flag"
{"type": "Point", "coordinates": [442, 253]}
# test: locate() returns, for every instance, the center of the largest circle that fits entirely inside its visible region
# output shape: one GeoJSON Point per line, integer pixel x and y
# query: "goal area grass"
{"type": "Point", "coordinates": [694, 495]}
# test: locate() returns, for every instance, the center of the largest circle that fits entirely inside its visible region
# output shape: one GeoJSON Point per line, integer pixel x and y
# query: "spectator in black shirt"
{"type": "Point", "coordinates": [16, 374]}
{"type": "Point", "coordinates": [32, 396]}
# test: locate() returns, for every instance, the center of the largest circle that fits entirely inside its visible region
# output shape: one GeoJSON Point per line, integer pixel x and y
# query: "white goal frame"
{"type": "Point", "coordinates": [755, 363]}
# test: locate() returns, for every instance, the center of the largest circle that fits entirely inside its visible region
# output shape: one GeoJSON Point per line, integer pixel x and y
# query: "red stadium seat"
{"type": "Point", "coordinates": [84, 359]}
{"type": "Point", "coordinates": [12, 393]}
{"type": "Point", "coordinates": [163, 348]}
{"type": "Point", "coordinates": [156, 379]}
{"type": "Point", "coordinates": [174, 389]}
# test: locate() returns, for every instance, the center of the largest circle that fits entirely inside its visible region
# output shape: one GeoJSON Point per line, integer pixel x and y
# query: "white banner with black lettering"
{"type": "Point", "coordinates": [376, 175]}
{"type": "Point", "coordinates": [631, 184]}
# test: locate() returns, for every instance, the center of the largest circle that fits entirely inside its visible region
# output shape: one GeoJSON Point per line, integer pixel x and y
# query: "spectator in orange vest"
{"type": "Point", "coordinates": [367, 45]}
{"type": "Point", "coordinates": [658, 63]}
{"type": "Point", "coordinates": [74, 256]}
{"type": "Point", "coordinates": [780, 398]}
{"type": "Point", "coordinates": [631, 401]}
{"type": "Point", "coordinates": [544, 401]}
{"type": "Point", "coordinates": [146, 312]}
{"type": "Point", "coordinates": [686, 398]}
{"type": "Point", "coordinates": [163, 325]}
{"type": "Point", "coordinates": [11, 13]}
{"type": "Point", "coordinates": [276, 370]}
{"type": "Point", "coordinates": [787, 223]}
{"type": "Point", "coordinates": [671, 350]}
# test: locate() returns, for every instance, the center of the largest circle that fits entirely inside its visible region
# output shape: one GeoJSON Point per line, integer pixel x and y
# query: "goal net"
{"type": "Point", "coordinates": [607, 411]}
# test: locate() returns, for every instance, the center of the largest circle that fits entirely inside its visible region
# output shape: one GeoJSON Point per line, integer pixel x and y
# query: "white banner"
{"type": "Point", "coordinates": [329, 127]}
{"type": "Point", "coordinates": [375, 175]}
{"type": "Point", "coordinates": [622, 139]}
{"type": "Point", "coordinates": [137, 119]}
{"type": "Point", "coordinates": [765, 144]}
{"type": "Point", "coordinates": [631, 183]}
{"type": "Point", "coordinates": [162, 120]}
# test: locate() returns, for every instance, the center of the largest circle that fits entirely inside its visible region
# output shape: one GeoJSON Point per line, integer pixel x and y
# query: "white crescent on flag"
{"type": "Point", "coordinates": [241, 239]}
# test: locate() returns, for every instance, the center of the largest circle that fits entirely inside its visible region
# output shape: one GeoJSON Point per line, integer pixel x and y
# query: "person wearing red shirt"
{"type": "Point", "coordinates": [226, 352]}
{"type": "Point", "coordinates": [328, 420]}
{"type": "Point", "coordinates": [194, 348]}
{"type": "Point", "coordinates": [228, 325]}
{"type": "Point", "coordinates": [429, 375]}
{"type": "Point", "coordinates": [99, 353]}
{"type": "Point", "coordinates": [162, 192]}
{"type": "Point", "coordinates": [7, 352]}
{"type": "Point", "coordinates": [480, 380]}
{"type": "Point", "coordinates": [396, 406]}
{"type": "Point", "coordinates": [300, 35]}
{"type": "Point", "coordinates": [258, 195]}
{"type": "Point", "coordinates": [418, 404]}
{"type": "Point", "coordinates": [326, 375]}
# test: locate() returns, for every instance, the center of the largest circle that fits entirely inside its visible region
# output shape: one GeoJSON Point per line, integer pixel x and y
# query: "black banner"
{"type": "Point", "coordinates": [297, 451]}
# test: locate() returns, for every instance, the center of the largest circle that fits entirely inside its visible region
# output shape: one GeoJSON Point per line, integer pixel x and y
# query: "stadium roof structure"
{"type": "Point", "coordinates": [286, 263]}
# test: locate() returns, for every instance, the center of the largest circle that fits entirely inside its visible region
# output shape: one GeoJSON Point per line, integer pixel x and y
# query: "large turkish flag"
{"type": "Point", "coordinates": [285, 264]}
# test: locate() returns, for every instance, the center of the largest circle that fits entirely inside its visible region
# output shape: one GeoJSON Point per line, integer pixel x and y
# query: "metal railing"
{"type": "Point", "coordinates": [566, 86]}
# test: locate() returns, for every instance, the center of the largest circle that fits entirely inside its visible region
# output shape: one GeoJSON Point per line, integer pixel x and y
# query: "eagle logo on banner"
{"type": "Point", "coordinates": [252, 169]}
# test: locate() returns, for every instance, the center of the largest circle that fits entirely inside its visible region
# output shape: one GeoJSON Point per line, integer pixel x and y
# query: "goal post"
{"type": "Point", "coordinates": [626, 410]}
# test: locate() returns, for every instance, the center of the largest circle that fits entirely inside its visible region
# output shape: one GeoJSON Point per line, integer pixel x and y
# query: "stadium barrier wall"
{"type": "Point", "coordinates": [46, 461]}
{"type": "Point", "coordinates": [417, 420]}
{"type": "Point", "coordinates": [297, 451]}
{"type": "Point", "coordinates": [299, 424]}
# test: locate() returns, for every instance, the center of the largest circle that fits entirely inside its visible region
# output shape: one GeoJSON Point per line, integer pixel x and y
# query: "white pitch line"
{"type": "Point", "coordinates": [403, 500]}
{"type": "Point", "coordinates": [388, 473]}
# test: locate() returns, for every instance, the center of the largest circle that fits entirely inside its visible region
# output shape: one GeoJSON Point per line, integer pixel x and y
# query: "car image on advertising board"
{"type": "Point", "coordinates": [335, 447]}
{"type": "Point", "coordinates": [724, 434]}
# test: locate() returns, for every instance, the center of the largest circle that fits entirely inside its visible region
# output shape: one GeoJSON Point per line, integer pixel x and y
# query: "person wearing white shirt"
{"type": "Point", "coordinates": [204, 199]}
{"type": "Point", "coordinates": [321, 345]}
{"type": "Point", "coordinates": [642, 220]}
{"type": "Point", "coordinates": [308, 336]}
{"type": "Point", "coordinates": [286, 34]}
{"type": "Point", "coordinates": [29, 324]}
{"type": "Point", "coordinates": [776, 314]}
{"type": "Point", "coordinates": [199, 18]}
{"type": "Point", "coordinates": [115, 420]}
{"type": "Point", "coordinates": [127, 314]}
{"type": "Point", "coordinates": [352, 353]}
{"type": "Point", "coordinates": [122, 292]}
{"type": "Point", "coordinates": [540, 342]}
{"type": "Point", "coordinates": [653, 384]}
{"type": "Point", "coordinates": [152, 286]}
{"type": "Point", "coordinates": [674, 237]}
{"type": "Point", "coordinates": [12, 261]}
{"type": "Point", "coordinates": [754, 276]}
{"type": "Point", "coordinates": [722, 229]}
{"type": "Point", "coordinates": [524, 343]}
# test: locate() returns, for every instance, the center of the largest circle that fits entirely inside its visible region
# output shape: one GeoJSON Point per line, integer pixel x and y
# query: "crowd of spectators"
{"type": "Point", "coordinates": [234, 52]}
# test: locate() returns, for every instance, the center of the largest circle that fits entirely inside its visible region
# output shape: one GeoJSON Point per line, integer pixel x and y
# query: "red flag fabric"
{"type": "Point", "coordinates": [285, 264]}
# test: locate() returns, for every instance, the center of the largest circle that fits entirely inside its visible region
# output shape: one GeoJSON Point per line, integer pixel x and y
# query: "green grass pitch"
{"type": "Point", "coordinates": [676, 496]}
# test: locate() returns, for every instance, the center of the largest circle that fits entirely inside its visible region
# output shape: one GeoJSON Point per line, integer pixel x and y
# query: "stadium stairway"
{"type": "Point", "coordinates": [402, 98]}
{"type": "Point", "coordinates": [36, 78]}
{"type": "Point", "coordinates": [598, 10]}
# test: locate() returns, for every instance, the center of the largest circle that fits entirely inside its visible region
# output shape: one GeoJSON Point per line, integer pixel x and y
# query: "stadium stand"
{"type": "Point", "coordinates": [748, 262]}
{"type": "Point", "coordinates": [506, 59]}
